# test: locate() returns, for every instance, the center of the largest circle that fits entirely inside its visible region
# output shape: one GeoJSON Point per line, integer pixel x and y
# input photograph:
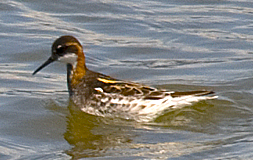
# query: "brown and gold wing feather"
{"type": "Point", "coordinates": [124, 88]}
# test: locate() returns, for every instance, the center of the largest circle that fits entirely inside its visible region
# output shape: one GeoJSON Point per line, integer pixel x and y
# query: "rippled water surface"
{"type": "Point", "coordinates": [174, 44]}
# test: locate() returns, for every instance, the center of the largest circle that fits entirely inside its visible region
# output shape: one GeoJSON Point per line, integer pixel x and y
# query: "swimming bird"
{"type": "Point", "coordinates": [102, 95]}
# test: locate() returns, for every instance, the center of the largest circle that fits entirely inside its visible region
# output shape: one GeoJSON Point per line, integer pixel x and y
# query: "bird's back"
{"type": "Point", "coordinates": [102, 95]}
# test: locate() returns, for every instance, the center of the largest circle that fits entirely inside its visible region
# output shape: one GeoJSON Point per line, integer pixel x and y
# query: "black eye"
{"type": "Point", "coordinates": [61, 49]}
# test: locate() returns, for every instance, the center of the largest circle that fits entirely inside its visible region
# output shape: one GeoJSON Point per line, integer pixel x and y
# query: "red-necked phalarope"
{"type": "Point", "coordinates": [102, 95]}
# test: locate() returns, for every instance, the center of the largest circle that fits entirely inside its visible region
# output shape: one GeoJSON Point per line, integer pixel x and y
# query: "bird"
{"type": "Point", "coordinates": [101, 95]}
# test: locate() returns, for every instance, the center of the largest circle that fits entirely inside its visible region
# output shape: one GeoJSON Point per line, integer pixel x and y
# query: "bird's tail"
{"type": "Point", "coordinates": [192, 93]}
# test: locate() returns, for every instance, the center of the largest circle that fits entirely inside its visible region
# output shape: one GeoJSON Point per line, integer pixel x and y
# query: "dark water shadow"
{"type": "Point", "coordinates": [92, 136]}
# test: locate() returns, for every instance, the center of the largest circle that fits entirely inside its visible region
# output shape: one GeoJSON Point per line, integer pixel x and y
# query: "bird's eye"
{"type": "Point", "coordinates": [60, 49]}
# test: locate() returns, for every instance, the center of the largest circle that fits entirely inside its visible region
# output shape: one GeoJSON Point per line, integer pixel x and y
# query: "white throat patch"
{"type": "Point", "coordinates": [68, 58]}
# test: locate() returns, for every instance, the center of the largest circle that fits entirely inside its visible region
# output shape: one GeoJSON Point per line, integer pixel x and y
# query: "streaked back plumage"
{"type": "Point", "coordinates": [116, 98]}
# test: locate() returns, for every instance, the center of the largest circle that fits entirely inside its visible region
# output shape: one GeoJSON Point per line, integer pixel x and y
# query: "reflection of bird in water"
{"type": "Point", "coordinates": [88, 136]}
{"type": "Point", "coordinates": [101, 95]}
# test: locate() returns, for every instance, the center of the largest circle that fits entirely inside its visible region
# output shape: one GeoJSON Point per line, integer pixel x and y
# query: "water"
{"type": "Point", "coordinates": [176, 45]}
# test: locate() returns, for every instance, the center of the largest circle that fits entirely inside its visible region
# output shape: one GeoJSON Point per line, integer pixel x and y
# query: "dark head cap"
{"type": "Point", "coordinates": [66, 49]}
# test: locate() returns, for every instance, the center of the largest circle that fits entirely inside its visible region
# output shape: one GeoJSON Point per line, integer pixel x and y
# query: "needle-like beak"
{"type": "Point", "coordinates": [50, 60]}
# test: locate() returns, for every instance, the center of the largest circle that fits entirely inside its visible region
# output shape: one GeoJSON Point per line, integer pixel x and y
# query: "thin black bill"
{"type": "Point", "coordinates": [50, 60]}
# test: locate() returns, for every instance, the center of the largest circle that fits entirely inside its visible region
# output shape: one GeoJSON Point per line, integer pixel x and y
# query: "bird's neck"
{"type": "Point", "coordinates": [69, 69]}
{"type": "Point", "coordinates": [75, 72]}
